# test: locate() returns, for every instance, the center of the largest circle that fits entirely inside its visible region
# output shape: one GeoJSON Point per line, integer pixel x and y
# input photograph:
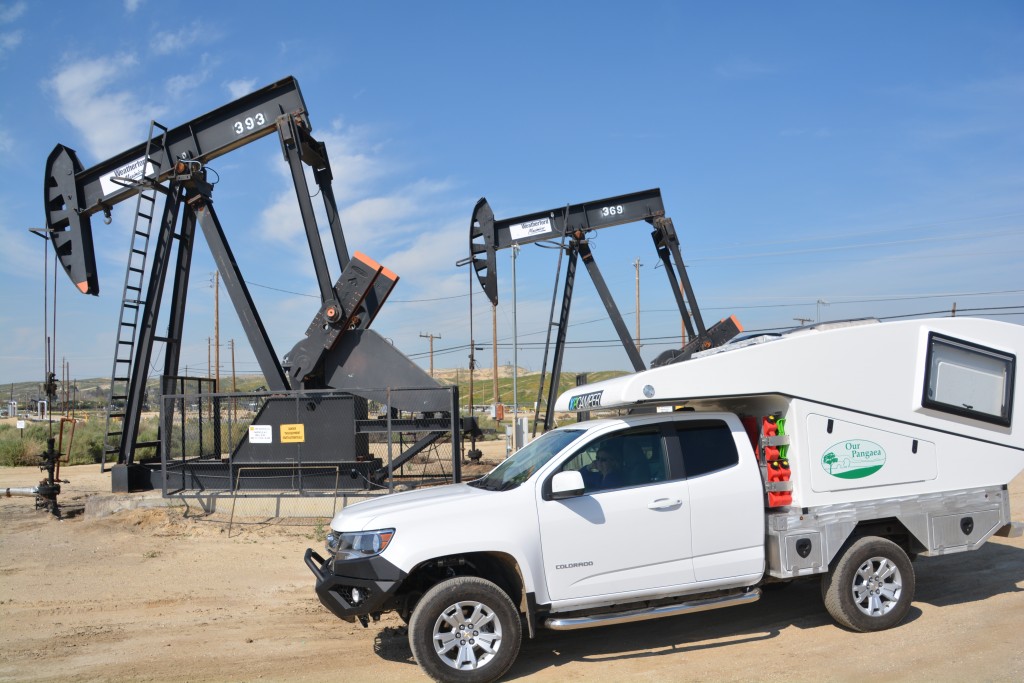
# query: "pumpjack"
{"type": "Point", "coordinates": [338, 350]}
{"type": "Point", "coordinates": [570, 226]}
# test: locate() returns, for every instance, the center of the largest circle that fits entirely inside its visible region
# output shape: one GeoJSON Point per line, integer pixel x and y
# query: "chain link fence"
{"type": "Point", "coordinates": [305, 454]}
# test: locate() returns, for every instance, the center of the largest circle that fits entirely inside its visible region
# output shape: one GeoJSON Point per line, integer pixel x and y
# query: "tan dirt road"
{"type": "Point", "coordinates": [151, 595]}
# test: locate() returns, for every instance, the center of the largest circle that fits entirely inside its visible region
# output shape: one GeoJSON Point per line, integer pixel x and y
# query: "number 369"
{"type": "Point", "coordinates": [616, 210]}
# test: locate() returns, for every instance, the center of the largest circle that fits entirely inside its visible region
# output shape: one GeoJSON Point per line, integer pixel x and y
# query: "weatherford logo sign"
{"type": "Point", "coordinates": [853, 459]}
{"type": "Point", "coordinates": [586, 401]}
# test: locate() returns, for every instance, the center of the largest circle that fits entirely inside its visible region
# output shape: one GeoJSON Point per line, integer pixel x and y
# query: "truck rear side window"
{"type": "Point", "coordinates": [707, 447]}
{"type": "Point", "coordinates": [969, 380]}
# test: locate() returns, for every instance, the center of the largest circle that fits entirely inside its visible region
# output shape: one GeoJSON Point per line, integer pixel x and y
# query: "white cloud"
{"type": "Point", "coordinates": [110, 120]}
{"type": "Point", "coordinates": [9, 41]}
{"type": "Point", "coordinates": [166, 43]}
{"type": "Point", "coordinates": [355, 165]}
{"type": "Point", "coordinates": [281, 220]}
{"type": "Point", "coordinates": [240, 87]}
{"type": "Point", "coordinates": [131, 5]}
{"type": "Point", "coordinates": [6, 142]}
{"type": "Point", "coordinates": [380, 220]}
{"type": "Point", "coordinates": [356, 161]}
{"type": "Point", "coordinates": [9, 13]}
{"type": "Point", "coordinates": [184, 83]}
{"type": "Point", "coordinates": [427, 260]}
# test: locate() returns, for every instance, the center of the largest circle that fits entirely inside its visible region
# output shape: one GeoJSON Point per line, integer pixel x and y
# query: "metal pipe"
{"type": "Point", "coordinates": [21, 491]}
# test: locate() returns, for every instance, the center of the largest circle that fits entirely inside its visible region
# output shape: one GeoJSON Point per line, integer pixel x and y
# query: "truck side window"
{"type": "Point", "coordinates": [707, 447]}
{"type": "Point", "coordinates": [968, 379]}
{"type": "Point", "coordinates": [619, 460]}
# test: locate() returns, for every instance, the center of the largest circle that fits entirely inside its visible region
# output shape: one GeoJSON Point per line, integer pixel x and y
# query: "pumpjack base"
{"type": "Point", "coordinates": [131, 478]}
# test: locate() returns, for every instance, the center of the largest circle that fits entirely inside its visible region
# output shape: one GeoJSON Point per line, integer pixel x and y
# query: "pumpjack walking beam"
{"type": "Point", "coordinates": [73, 194]}
{"type": "Point", "coordinates": [176, 166]}
{"type": "Point", "coordinates": [488, 236]}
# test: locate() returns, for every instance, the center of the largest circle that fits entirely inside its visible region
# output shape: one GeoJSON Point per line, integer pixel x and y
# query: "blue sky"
{"type": "Point", "coordinates": [868, 155]}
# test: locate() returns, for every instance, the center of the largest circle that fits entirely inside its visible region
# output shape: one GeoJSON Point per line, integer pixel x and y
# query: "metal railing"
{"type": "Point", "coordinates": [324, 443]}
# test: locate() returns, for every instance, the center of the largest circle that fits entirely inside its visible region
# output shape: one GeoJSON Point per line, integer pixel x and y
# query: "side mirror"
{"type": "Point", "coordinates": [568, 484]}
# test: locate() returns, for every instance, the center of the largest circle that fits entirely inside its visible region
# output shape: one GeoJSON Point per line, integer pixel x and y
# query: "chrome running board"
{"type": "Point", "coordinates": [610, 618]}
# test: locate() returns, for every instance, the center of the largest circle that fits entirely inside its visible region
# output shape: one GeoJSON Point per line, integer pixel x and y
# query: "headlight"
{"type": "Point", "coordinates": [345, 545]}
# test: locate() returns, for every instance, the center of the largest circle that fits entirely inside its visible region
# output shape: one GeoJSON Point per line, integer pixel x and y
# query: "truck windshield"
{"type": "Point", "coordinates": [527, 460]}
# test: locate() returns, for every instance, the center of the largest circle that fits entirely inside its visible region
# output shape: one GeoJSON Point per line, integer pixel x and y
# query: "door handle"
{"type": "Point", "coordinates": [664, 503]}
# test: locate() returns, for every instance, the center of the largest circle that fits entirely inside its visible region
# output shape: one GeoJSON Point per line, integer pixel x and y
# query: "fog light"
{"type": "Point", "coordinates": [357, 596]}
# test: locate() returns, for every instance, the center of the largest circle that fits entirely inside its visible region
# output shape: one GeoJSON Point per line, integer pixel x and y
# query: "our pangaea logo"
{"type": "Point", "coordinates": [853, 459]}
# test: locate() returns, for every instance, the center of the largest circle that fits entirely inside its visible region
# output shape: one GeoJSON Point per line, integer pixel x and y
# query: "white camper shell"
{"type": "Point", "coordinates": [911, 421]}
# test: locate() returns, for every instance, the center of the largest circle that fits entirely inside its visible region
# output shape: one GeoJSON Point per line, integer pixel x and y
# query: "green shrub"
{"type": "Point", "coordinates": [15, 452]}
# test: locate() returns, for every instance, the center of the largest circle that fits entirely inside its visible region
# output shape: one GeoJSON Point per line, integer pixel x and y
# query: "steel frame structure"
{"type": "Point", "coordinates": [172, 163]}
{"type": "Point", "coordinates": [571, 225]}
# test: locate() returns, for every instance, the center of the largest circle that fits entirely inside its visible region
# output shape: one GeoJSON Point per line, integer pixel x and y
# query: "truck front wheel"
{"type": "Point", "coordinates": [465, 630]}
{"type": "Point", "coordinates": [871, 585]}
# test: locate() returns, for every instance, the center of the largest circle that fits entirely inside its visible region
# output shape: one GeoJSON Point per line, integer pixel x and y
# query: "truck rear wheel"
{"type": "Point", "coordinates": [465, 630]}
{"type": "Point", "coordinates": [871, 585]}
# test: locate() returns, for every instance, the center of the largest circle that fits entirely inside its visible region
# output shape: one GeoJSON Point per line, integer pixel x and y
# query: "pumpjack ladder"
{"type": "Point", "coordinates": [132, 300]}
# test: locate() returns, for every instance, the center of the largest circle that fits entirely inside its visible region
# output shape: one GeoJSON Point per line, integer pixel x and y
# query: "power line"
{"type": "Point", "coordinates": [673, 339]}
{"type": "Point", "coordinates": [390, 300]}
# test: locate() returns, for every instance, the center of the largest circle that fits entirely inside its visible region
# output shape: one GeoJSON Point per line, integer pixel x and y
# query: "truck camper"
{"type": "Point", "coordinates": [839, 452]}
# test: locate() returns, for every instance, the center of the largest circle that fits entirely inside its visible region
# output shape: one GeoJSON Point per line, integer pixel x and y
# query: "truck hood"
{"type": "Point", "coordinates": [391, 510]}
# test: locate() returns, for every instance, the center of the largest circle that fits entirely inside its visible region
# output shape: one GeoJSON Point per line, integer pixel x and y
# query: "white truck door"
{"type": "Point", "coordinates": [629, 531]}
{"type": "Point", "coordinates": [726, 499]}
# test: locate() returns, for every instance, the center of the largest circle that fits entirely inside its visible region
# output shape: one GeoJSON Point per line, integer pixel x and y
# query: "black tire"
{"type": "Point", "coordinates": [489, 646]}
{"type": "Point", "coordinates": [870, 586]}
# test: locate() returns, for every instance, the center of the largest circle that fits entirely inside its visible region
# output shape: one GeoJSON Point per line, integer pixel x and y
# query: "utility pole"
{"type": "Point", "coordinates": [821, 302]}
{"type": "Point", "coordinates": [494, 347]}
{"type": "Point", "coordinates": [431, 337]}
{"type": "Point", "coordinates": [637, 265]}
{"type": "Point", "coordinates": [209, 365]}
{"type": "Point", "coordinates": [234, 387]}
{"type": "Point", "coordinates": [954, 309]}
{"type": "Point", "coordinates": [803, 320]}
{"type": "Point", "coordinates": [216, 329]}
{"type": "Point", "coordinates": [516, 439]}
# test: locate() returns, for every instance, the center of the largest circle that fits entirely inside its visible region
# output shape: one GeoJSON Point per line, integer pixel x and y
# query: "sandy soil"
{"type": "Point", "coordinates": [152, 595]}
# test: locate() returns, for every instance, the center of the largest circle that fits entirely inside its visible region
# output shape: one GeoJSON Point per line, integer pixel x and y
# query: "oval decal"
{"type": "Point", "coordinates": [853, 459]}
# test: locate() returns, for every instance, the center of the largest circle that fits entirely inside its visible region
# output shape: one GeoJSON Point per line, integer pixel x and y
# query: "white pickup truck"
{"type": "Point", "coordinates": [840, 451]}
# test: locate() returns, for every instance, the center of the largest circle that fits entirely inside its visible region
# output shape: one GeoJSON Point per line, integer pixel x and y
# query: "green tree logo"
{"type": "Point", "coordinates": [830, 459]}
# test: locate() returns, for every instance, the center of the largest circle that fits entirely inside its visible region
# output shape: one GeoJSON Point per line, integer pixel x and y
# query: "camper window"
{"type": "Point", "coordinates": [970, 380]}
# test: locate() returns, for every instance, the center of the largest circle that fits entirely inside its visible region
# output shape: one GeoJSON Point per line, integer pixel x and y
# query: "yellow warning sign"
{"type": "Point", "coordinates": [293, 433]}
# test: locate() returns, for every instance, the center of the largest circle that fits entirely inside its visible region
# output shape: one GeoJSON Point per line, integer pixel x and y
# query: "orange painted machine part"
{"type": "Point", "coordinates": [360, 256]}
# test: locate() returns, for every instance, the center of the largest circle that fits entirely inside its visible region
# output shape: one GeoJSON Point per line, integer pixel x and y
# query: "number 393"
{"type": "Point", "coordinates": [249, 123]}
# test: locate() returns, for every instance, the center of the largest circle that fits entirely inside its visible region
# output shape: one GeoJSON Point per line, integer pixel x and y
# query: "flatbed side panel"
{"type": "Point", "coordinates": [804, 541]}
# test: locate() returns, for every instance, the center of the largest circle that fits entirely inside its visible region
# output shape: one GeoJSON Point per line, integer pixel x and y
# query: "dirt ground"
{"type": "Point", "coordinates": [154, 595]}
